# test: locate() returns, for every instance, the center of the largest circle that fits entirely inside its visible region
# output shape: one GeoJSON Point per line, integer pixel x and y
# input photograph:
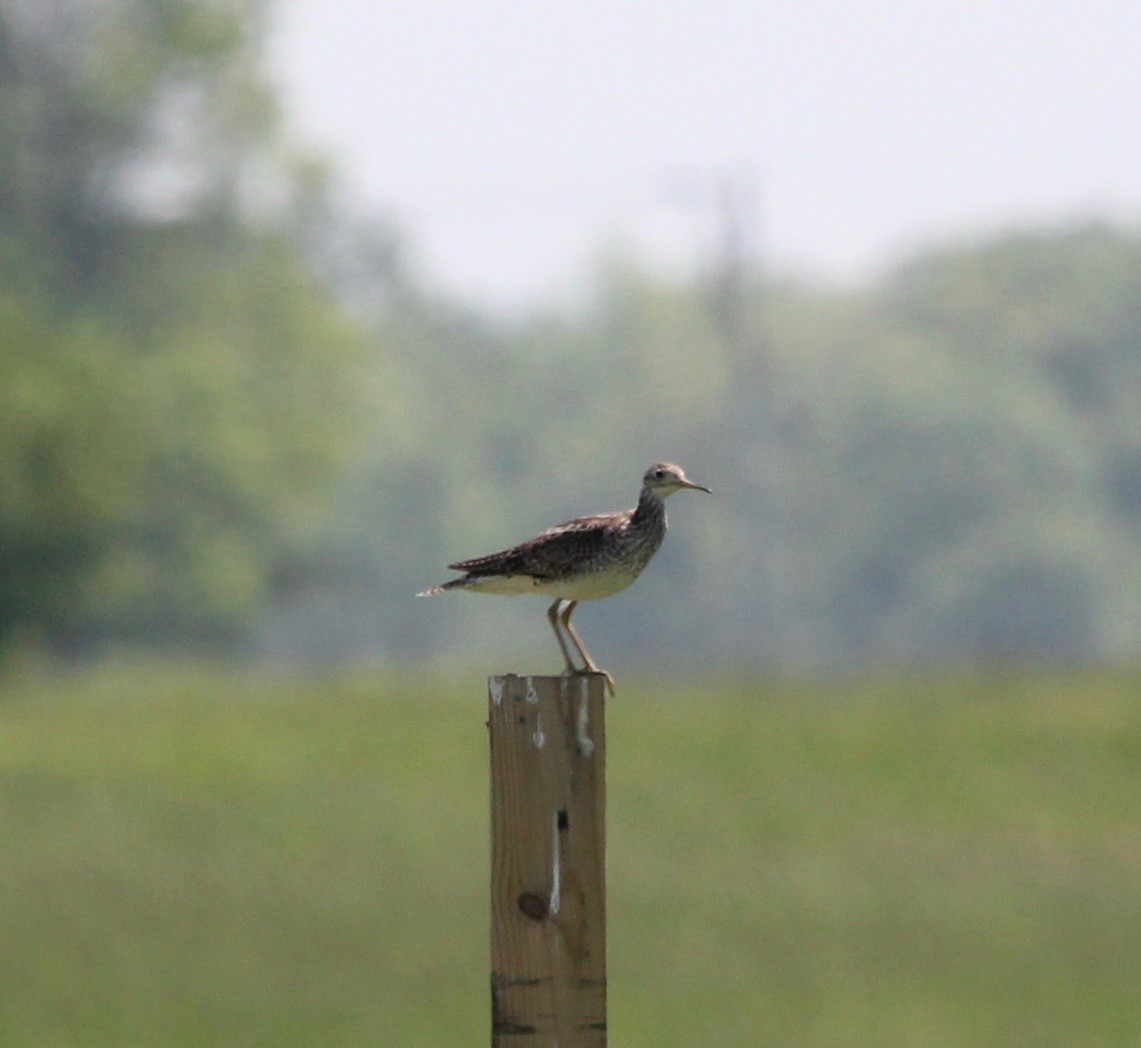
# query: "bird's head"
{"type": "Point", "coordinates": [664, 478]}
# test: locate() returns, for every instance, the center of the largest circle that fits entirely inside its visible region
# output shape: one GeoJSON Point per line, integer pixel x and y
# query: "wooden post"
{"type": "Point", "coordinates": [548, 861]}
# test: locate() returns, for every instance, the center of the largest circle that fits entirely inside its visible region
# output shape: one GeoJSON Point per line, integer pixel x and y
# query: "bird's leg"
{"type": "Point", "coordinates": [590, 664]}
{"type": "Point", "coordinates": [553, 618]}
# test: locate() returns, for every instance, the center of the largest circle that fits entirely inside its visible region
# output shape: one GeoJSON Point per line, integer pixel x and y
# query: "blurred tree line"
{"type": "Point", "coordinates": [944, 462]}
{"type": "Point", "coordinates": [174, 378]}
{"type": "Point", "coordinates": [231, 419]}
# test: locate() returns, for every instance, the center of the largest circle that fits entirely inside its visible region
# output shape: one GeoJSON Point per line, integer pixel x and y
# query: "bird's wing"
{"type": "Point", "coordinates": [553, 554]}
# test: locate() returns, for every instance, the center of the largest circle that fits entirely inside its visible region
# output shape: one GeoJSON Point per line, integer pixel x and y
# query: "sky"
{"type": "Point", "coordinates": [515, 145]}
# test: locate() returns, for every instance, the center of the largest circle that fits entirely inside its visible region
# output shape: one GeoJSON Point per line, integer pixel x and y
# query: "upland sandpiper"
{"type": "Point", "coordinates": [584, 559]}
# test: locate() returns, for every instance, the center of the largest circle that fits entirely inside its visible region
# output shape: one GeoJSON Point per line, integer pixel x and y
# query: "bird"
{"type": "Point", "coordinates": [583, 559]}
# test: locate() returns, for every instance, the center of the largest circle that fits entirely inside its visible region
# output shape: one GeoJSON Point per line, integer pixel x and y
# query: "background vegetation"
{"type": "Point", "coordinates": [231, 420]}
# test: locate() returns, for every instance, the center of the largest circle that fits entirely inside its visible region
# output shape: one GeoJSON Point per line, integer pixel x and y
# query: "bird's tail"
{"type": "Point", "coordinates": [453, 584]}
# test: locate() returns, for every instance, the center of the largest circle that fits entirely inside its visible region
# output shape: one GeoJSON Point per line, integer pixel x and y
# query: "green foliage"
{"type": "Point", "coordinates": [73, 426]}
{"type": "Point", "coordinates": [251, 373]}
{"type": "Point", "coordinates": [945, 461]}
{"type": "Point", "coordinates": [205, 858]}
{"type": "Point", "coordinates": [176, 384]}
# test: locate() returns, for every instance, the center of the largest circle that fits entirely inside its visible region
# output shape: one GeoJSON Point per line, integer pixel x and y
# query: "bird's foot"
{"type": "Point", "coordinates": [586, 671]}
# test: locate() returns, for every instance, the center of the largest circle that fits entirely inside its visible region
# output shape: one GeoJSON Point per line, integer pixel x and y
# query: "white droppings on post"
{"type": "Point", "coordinates": [582, 723]}
{"type": "Point", "coordinates": [495, 685]}
{"type": "Point", "coordinates": [538, 737]}
{"type": "Point", "coordinates": [556, 870]}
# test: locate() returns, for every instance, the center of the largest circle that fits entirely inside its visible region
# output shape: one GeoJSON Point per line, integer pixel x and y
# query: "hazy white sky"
{"type": "Point", "coordinates": [513, 140]}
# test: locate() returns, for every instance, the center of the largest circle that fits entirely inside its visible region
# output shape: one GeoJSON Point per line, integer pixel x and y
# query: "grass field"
{"type": "Point", "coordinates": [201, 858]}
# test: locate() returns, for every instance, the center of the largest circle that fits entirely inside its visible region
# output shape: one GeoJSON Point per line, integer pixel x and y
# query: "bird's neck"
{"type": "Point", "coordinates": [650, 507]}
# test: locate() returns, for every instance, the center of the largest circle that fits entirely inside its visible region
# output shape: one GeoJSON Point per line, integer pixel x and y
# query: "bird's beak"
{"type": "Point", "coordinates": [696, 487]}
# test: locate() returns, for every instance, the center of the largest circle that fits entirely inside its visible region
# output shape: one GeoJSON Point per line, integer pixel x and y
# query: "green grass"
{"type": "Point", "coordinates": [201, 858]}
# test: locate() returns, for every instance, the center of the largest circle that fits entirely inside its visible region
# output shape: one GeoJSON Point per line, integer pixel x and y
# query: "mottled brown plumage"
{"type": "Point", "coordinates": [583, 559]}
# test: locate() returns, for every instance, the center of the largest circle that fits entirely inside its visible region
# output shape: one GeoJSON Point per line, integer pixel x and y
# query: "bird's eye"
{"type": "Point", "coordinates": [659, 473]}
